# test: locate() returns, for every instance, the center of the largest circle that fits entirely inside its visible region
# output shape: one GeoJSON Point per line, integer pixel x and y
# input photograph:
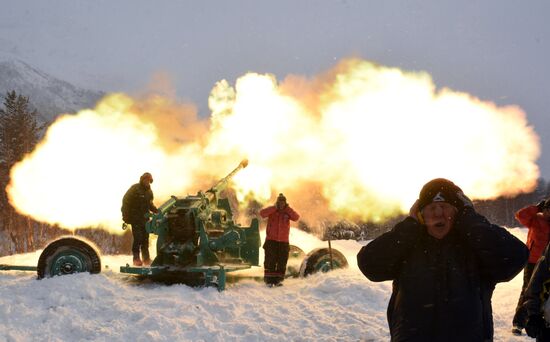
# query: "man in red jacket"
{"type": "Point", "coordinates": [537, 219]}
{"type": "Point", "coordinates": [276, 242]}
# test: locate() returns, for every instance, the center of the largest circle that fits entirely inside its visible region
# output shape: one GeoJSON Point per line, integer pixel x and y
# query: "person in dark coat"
{"type": "Point", "coordinates": [444, 260]}
{"type": "Point", "coordinates": [136, 204]}
{"type": "Point", "coordinates": [536, 305]}
{"type": "Point", "coordinates": [276, 244]}
{"type": "Point", "coordinates": [537, 219]}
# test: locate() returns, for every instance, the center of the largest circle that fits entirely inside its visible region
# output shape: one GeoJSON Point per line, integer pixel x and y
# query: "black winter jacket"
{"type": "Point", "coordinates": [136, 203]}
{"type": "Point", "coordinates": [442, 288]}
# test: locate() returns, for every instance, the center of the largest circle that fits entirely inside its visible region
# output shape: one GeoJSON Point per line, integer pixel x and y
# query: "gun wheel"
{"type": "Point", "coordinates": [295, 252]}
{"type": "Point", "coordinates": [67, 256]}
{"type": "Point", "coordinates": [295, 257]}
{"type": "Point", "coordinates": [318, 260]}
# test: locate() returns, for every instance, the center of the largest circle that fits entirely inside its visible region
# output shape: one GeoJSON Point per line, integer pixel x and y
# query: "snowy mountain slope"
{"type": "Point", "coordinates": [48, 94]}
{"type": "Point", "coordinates": [338, 306]}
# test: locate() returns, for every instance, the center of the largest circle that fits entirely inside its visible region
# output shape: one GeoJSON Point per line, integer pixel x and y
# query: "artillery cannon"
{"type": "Point", "coordinates": [198, 242]}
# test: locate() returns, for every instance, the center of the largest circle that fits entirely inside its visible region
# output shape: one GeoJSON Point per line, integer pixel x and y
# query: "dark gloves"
{"type": "Point", "coordinates": [415, 213]}
{"type": "Point", "coordinates": [409, 229]}
{"type": "Point", "coordinates": [281, 206]}
{"type": "Point", "coordinates": [534, 326]}
{"type": "Point", "coordinates": [540, 205]}
{"type": "Point", "coordinates": [466, 202]}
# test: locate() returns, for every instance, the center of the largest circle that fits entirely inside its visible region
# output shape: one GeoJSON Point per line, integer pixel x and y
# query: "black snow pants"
{"type": "Point", "coordinates": [520, 317]}
{"type": "Point", "coordinates": [141, 241]}
{"type": "Point", "coordinates": [544, 335]}
{"type": "Point", "coordinates": [276, 257]}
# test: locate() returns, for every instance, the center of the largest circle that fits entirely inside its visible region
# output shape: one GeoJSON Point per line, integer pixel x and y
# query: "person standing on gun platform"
{"type": "Point", "coordinates": [136, 204]}
{"type": "Point", "coordinates": [444, 260]}
{"type": "Point", "coordinates": [276, 244]}
{"type": "Point", "coordinates": [537, 219]}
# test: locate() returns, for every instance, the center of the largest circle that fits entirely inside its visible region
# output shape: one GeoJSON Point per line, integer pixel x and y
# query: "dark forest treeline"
{"type": "Point", "coordinates": [20, 131]}
{"type": "Point", "coordinates": [19, 134]}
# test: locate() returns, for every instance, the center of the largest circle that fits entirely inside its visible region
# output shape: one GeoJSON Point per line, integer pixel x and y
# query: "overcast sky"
{"type": "Point", "coordinates": [495, 50]}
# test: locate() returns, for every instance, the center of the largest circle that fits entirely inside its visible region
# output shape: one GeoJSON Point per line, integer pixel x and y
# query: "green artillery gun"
{"type": "Point", "coordinates": [198, 242]}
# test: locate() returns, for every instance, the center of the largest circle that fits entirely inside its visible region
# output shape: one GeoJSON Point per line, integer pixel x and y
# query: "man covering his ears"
{"type": "Point", "coordinates": [444, 260]}
{"type": "Point", "coordinates": [276, 242]}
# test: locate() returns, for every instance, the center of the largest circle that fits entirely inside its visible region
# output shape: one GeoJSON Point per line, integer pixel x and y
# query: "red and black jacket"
{"type": "Point", "coordinates": [278, 222]}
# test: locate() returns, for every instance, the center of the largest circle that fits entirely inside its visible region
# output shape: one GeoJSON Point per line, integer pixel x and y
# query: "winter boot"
{"type": "Point", "coordinates": [137, 262]}
{"type": "Point", "coordinates": [146, 262]}
{"type": "Point", "coordinates": [516, 331]}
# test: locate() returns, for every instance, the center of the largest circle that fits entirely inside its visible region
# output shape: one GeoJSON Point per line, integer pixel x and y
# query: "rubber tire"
{"type": "Point", "coordinates": [295, 252]}
{"type": "Point", "coordinates": [319, 260]}
{"type": "Point", "coordinates": [79, 256]}
{"type": "Point", "coordinates": [295, 257]}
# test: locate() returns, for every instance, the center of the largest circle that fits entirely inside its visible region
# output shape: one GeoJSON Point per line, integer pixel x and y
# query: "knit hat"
{"type": "Point", "coordinates": [146, 175]}
{"type": "Point", "coordinates": [440, 190]}
{"type": "Point", "coordinates": [281, 197]}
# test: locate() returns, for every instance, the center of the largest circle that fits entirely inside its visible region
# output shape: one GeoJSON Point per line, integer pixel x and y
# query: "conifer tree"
{"type": "Point", "coordinates": [19, 133]}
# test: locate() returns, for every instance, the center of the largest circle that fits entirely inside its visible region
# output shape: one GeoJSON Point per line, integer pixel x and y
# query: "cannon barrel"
{"type": "Point", "coordinates": [213, 192]}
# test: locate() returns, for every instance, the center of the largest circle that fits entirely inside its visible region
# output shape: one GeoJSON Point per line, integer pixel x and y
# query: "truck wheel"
{"type": "Point", "coordinates": [66, 256]}
{"type": "Point", "coordinates": [318, 260]}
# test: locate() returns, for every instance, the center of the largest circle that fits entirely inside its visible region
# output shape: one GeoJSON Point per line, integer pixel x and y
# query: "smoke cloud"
{"type": "Point", "coordinates": [357, 143]}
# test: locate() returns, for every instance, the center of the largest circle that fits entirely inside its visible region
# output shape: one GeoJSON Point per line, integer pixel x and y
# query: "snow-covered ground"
{"type": "Point", "coordinates": [338, 306]}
